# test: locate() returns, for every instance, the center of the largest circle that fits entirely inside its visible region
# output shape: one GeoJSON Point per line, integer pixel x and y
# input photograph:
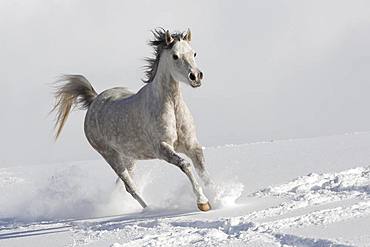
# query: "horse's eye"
{"type": "Point", "coordinates": [174, 56]}
{"type": "Point", "coordinates": [195, 54]}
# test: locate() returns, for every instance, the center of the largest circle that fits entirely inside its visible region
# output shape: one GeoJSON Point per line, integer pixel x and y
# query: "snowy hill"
{"type": "Point", "coordinates": [304, 192]}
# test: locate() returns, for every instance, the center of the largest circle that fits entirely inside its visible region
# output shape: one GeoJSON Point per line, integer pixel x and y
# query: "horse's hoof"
{"type": "Point", "coordinates": [204, 206]}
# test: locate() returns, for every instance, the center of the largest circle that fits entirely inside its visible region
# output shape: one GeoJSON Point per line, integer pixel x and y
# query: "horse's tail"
{"type": "Point", "coordinates": [71, 90]}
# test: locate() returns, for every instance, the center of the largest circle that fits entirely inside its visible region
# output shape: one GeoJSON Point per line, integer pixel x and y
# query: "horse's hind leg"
{"type": "Point", "coordinates": [130, 169]}
{"type": "Point", "coordinates": [121, 166]}
{"type": "Point", "coordinates": [168, 154]}
{"type": "Point", "coordinates": [130, 187]}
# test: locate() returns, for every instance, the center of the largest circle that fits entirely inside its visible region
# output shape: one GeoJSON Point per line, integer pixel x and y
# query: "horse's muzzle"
{"type": "Point", "coordinates": [195, 78]}
{"type": "Point", "coordinates": [195, 84]}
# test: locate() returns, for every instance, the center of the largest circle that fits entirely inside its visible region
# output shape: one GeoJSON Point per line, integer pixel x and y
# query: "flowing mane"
{"type": "Point", "coordinates": [158, 44]}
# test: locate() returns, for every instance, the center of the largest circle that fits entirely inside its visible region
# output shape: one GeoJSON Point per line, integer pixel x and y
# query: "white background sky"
{"type": "Point", "coordinates": [273, 69]}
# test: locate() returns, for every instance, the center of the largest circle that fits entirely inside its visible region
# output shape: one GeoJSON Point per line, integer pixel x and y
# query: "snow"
{"type": "Point", "coordinates": [303, 192]}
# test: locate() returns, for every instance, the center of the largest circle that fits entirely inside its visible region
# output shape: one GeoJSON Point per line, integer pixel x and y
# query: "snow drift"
{"type": "Point", "coordinates": [306, 192]}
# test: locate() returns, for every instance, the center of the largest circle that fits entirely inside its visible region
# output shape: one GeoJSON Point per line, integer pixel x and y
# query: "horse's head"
{"type": "Point", "coordinates": [180, 59]}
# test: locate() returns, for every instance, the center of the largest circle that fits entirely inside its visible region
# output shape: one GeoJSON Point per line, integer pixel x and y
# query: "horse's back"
{"type": "Point", "coordinates": [114, 94]}
{"type": "Point", "coordinates": [109, 97]}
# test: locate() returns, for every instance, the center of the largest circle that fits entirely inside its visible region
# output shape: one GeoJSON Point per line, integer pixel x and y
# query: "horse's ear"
{"type": "Point", "coordinates": [187, 36]}
{"type": "Point", "coordinates": [168, 38]}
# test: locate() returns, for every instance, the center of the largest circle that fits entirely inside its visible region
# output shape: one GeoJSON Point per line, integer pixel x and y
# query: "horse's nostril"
{"type": "Point", "coordinates": [200, 75]}
{"type": "Point", "coordinates": [192, 76]}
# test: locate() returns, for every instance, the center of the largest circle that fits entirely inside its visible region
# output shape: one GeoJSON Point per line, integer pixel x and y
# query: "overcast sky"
{"type": "Point", "coordinates": [273, 69]}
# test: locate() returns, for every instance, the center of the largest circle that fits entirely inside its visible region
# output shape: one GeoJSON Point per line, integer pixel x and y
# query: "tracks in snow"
{"type": "Point", "coordinates": [315, 199]}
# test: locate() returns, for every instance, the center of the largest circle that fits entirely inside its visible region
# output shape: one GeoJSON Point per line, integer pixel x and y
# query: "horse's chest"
{"type": "Point", "coordinates": [165, 125]}
{"type": "Point", "coordinates": [182, 128]}
{"type": "Point", "coordinates": [172, 126]}
{"type": "Point", "coordinates": [175, 125]}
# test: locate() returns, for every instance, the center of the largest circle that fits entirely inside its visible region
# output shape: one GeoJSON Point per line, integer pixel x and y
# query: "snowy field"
{"type": "Point", "coordinates": [273, 70]}
{"type": "Point", "coordinates": [303, 192]}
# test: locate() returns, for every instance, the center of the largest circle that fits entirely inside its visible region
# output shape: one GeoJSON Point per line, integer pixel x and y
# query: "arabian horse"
{"type": "Point", "coordinates": [153, 123]}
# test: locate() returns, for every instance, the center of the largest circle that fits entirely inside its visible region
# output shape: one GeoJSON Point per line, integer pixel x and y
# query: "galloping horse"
{"type": "Point", "coordinates": [154, 123]}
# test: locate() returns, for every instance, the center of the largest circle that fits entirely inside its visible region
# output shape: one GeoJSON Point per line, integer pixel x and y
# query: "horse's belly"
{"type": "Point", "coordinates": [136, 149]}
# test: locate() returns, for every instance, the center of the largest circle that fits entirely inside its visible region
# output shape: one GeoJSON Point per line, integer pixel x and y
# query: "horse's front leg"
{"type": "Point", "coordinates": [168, 154]}
{"type": "Point", "coordinates": [195, 153]}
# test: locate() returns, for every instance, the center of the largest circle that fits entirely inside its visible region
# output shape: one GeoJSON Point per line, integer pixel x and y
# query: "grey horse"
{"type": "Point", "coordinates": [154, 123]}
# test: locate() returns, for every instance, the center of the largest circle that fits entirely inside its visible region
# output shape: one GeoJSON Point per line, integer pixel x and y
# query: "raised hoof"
{"type": "Point", "coordinates": [204, 206]}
